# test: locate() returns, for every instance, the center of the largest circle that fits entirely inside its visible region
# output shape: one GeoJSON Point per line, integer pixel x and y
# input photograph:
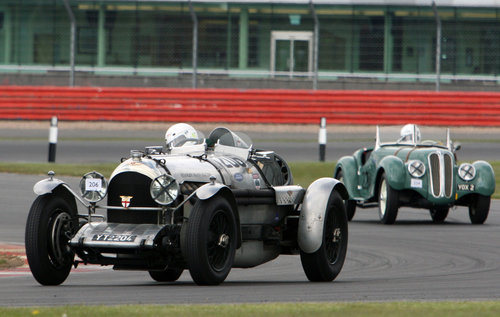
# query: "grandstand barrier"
{"type": "Point", "coordinates": [249, 105]}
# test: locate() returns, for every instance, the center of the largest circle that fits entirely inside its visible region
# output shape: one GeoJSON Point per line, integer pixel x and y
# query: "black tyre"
{"type": "Point", "coordinates": [210, 241]}
{"type": "Point", "coordinates": [479, 209]}
{"type": "Point", "coordinates": [388, 202]}
{"type": "Point", "coordinates": [350, 205]}
{"type": "Point", "coordinates": [326, 263]}
{"type": "Point", "coordinates": [439, 214]}
{"type": "Point", "coordinates": [51, 224]}
{"type": "Point", "coordinates": [168, 275]}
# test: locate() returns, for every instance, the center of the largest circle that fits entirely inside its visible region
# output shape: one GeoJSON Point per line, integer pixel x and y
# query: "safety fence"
{"type": "Point", "coordinates": [249, 106]}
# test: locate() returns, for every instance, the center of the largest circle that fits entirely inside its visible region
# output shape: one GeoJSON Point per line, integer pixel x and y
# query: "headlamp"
{"type": "Point", "coordinates": [164, 189]}
{"type": "Point", "coordinates": [416, 168]}
{"type": "Point", "coordinates": [467, 171]}
{"type": "Point", "coordinates": [93, 187]}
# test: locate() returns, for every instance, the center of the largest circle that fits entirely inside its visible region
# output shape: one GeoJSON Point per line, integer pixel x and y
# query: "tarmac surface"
{"type": "Point", "coordinates": [412, 260]}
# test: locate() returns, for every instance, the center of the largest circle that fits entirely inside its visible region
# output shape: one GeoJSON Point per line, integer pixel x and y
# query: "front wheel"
{"type": "Point", "coordinates": [388, 202]}
{"type": "Point", "coordinates": [168, 275]}
{"type": "Point", "coordinates": [325, 264]}
{"type": "Point", "coordinates": [210, 241]}
{"type": "Point", "coordinates": [51, 224]}
{"type": "Point", "coordinates": [479, 209]}
{"type": "Point", "coordinates": [439, 214]}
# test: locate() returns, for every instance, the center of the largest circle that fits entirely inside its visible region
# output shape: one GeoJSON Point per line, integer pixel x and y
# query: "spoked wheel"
{"type": "Point", "coordinates": [479, 209]}
{"type": "Point", "coordinates": [439, 214]}
{"type": "Point", "coordinates": [168, 275]}
{"type": "Point", "coordinates": [210, 241]}
{"type": "Point", "coordinates": [326, 263]}
{"type": "Point", "coordinates": [388, 202]}
{"type": "Point", "coordinates": [51, 224]}
{"type": "Point", "coordinates": [350, 205]}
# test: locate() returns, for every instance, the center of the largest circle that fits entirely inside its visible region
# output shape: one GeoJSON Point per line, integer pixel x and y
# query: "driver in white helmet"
{"type": "Point", "coordinates": [181, 134]}
{"type": "Point", "coordinates": [410, 133]}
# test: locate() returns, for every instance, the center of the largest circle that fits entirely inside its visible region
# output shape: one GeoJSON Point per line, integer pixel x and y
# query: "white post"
{"type": "Point", "coordinates": [52, 140]}
{"type": "Point", "coordinates": [322, 139]}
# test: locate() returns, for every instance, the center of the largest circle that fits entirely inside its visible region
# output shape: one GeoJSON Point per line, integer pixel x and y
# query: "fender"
{"type": "Point", "coordinates": [312, 215]}
{"type": "Point", "coordinates": [485, 178]}
{"type": "Point", "coordinates": [57, 187]}
{"type": "Point", "coordinates": [349, 167]}
{"type": "Point", "coordinates": [395, 171]}
{"type": "Point", "coordinates": [211, 189]}
{"type": "Point", "coordinates": [46, 186]}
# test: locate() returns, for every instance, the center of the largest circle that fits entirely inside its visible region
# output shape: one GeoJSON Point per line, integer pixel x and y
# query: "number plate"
{"type": "Point", "coordinates": [114, 237]}
{"type": "Point", "coordinates": [466, 187]}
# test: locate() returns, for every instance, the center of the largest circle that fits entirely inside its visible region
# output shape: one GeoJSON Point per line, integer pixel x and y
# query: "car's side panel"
{"type": "Point", "coordinates": [312, 215]}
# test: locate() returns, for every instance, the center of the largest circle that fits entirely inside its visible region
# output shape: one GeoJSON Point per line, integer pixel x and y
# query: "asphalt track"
{"type": "Point", "coordinates": [411, 260]}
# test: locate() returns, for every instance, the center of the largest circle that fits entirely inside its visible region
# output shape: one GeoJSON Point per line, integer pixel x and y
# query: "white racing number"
{"type": "Point", "coordinates": [93, 184]}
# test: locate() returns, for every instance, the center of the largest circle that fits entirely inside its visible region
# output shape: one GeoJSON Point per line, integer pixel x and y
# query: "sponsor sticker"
{"type": "Point", "coordinates": [416, 183]}
{"type": "Point", "coordinates": [238, 177]}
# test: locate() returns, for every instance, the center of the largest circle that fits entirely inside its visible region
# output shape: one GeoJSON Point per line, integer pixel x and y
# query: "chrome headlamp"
{"type": "Point", "coordinates": [467, 171]}
{"type": "Point", "coordinates": [93, 187]}
{"type": "Point", "coordinates": [164, 189]}
{"type": "Point", "coordinates": [416, 168]}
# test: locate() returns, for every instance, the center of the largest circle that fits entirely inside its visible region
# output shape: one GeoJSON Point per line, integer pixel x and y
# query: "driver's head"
{"type": "Point", "coordinates": [407, 132]}
{"type": "Point", "coordinates": [179, 134]}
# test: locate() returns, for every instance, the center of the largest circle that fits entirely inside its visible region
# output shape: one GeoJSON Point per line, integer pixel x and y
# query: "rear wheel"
{"type": "Point", "coordinates": [439, 214]}
{"type": "Point", "coordinates": [479, 209]}
{"type": "Point", "coordinates": [51, 224]}
{"type": "Point", "coordinates": [350, 205]}
{"type": "Point", "coordinates": [388, 202]}
{"type": "Point", "coordinates": [168, 275]}
{"type": "Point", "coordinates": [326, 263]}
{"type": "Point", "coordinates": [210, 241]}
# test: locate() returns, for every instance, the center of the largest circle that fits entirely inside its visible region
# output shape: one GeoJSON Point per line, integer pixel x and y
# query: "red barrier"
{"type": "Point", "coordinates": [250, 106]}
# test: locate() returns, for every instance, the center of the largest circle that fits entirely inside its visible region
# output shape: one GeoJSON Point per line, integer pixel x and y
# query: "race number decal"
{"type": "Point", "coordinates": [93, 184]}
{"type": "Point", "coordinates": [416, 183]}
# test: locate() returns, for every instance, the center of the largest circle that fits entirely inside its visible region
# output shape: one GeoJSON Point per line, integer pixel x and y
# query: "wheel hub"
{"type": "Point", "coordinates": [336, 235]}
{"type": "Point", "coordinates": [223, 240]}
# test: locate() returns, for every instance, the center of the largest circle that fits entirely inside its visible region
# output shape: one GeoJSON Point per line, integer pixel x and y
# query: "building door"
{"type": "Point", "coordinates": [291, 53]}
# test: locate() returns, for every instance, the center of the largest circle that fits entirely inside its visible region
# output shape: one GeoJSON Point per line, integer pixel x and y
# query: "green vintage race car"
{"type": "Point", "coordinates": [404, 170]}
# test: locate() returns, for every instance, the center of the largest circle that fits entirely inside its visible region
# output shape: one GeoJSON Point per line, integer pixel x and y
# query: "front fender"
{"type": "Point", "coordinates": [350, 170]}
{"type": "Point", "coordinates": [46, 186]}
{"type": "Point", "coordinates": [57, 187]}
{"type": "Point", "coordinates": [211, 189]}
{"type": "Point", "coordinates": [395, 171]}
{"type": "Point", "coordinates": [313, 213]}
{"type": "Point", "coordinates": [485, 178]}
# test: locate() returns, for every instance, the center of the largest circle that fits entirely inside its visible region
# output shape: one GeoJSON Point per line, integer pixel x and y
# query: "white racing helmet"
{"type": "Point", "coordinates": [180, 134]}
{"type": "Point", "coordinates": [408, 131]}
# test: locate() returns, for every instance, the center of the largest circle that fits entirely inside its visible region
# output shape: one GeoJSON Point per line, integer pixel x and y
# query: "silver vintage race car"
{"type": "Point", "coordinates": [206, 205]}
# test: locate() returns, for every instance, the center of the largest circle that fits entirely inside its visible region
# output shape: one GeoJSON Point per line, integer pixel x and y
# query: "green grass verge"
{"type": "Point", "coordinates": [390, 309]}
{"type": "Point", "coordinates": [303, 172]}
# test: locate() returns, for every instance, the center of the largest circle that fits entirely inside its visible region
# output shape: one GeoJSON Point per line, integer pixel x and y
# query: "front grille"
{"type": "Point", "coordinates": [441, 174]}
{"type": "Point", "coordinates": [435, 174]}
{"type": "Point", "coordinates": [136, 186]}
{"type": "Point", "coordinates": [448, 175]}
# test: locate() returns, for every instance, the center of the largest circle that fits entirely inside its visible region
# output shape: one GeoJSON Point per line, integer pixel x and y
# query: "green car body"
{"type": "Point", "coordinates": [380, 176]}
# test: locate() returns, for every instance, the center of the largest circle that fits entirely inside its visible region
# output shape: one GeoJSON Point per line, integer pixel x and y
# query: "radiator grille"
{"type": "Point", "coordinates": [448, 175]}
{"type": "Point", "coordinates": [441, 174]}
{"type": "Point", "coordinates": [435, 174]}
